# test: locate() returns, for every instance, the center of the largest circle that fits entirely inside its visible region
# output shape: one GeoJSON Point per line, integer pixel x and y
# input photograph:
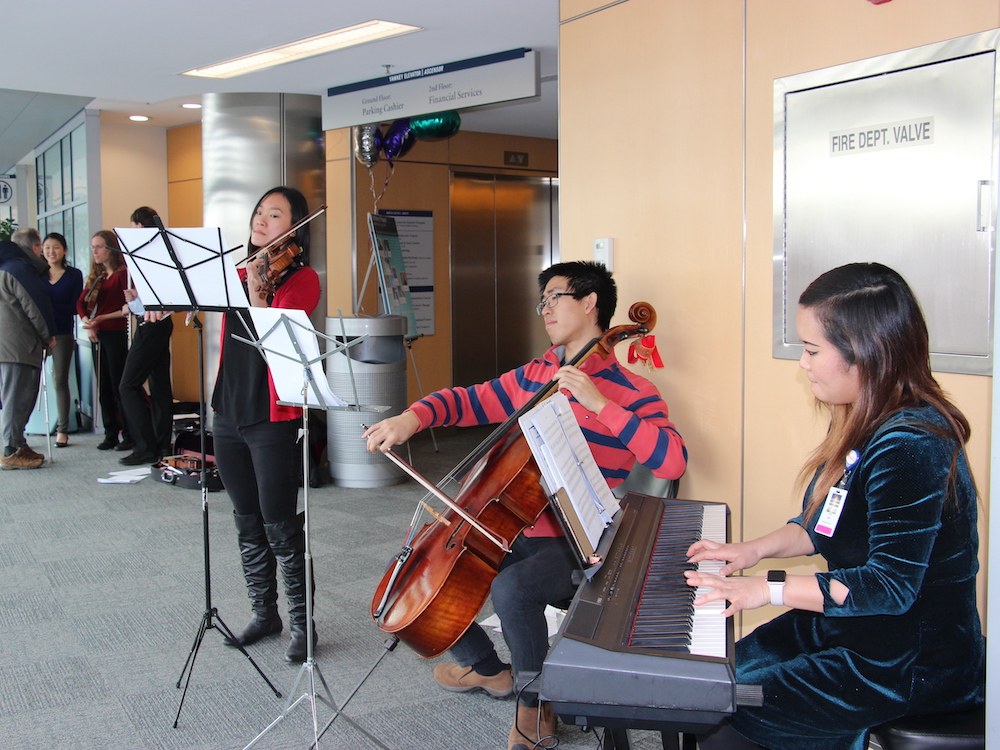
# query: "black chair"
{"type": "Point", "coordinates": [641, 480]}
{"type": "Point", "coordinates": [965, 730]}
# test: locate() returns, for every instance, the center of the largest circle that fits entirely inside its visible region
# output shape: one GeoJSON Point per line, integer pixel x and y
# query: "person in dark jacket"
{"type": "Point", "coordinates": [150, 420]}
{"type": "Point", "coordinates": [27, 328]}
{"type": "Point", "coordinates": [65, 284]}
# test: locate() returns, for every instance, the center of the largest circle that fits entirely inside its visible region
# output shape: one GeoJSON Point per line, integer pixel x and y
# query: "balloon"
{"type": "Point", "coordinates": [367, 144]}
{"type": "Point", "coordinates": [432, 127]}
{"type": "Point", "coordinates": [398, 139]}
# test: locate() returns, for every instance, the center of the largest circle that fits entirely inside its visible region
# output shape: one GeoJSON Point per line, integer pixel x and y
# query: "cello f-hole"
{"type": "Point", "coordinates": [451, 537]}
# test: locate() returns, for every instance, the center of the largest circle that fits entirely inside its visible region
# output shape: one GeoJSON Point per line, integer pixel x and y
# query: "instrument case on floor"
{"type": "Point", "coordinates": [183, 469]}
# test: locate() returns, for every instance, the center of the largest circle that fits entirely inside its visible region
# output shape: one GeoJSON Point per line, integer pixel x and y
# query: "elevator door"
{"type": "Point", "coordinates": [503, 233]}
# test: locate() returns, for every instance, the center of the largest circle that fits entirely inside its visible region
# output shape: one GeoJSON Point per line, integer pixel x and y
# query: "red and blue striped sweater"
{"type": "Point", "coordinates": [633, 426]}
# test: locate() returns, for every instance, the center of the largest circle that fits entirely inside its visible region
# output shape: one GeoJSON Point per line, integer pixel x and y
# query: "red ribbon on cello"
{"type": "Point", "coordinates": [645, 349]}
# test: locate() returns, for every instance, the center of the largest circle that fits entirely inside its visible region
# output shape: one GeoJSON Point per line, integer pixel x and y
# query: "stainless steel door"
{"type": "Point", "coordinates": [503, 234]}
{"type": "Point", "coordinates": [894, 160]}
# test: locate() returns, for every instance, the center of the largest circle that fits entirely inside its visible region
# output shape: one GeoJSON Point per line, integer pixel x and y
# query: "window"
{"type": "Point", "coordinates": [62, 194]}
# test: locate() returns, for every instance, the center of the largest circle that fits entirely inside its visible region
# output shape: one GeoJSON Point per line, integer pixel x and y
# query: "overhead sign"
{"type": "Point", "coordinates": [501, 77]}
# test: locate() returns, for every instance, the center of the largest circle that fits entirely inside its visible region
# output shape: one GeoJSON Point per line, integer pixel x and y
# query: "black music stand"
{"type": "Point", "coordinates": [180, 269]}
{"type": "Point", "coordinates": [288, 343]}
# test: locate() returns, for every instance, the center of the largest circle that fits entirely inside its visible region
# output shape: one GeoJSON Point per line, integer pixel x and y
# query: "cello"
{"type": "Point", "coordinates": [440, 580]}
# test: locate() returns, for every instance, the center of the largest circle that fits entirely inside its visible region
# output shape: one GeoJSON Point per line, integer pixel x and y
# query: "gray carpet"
{"type": "Point", "coordinates": [102, 593]}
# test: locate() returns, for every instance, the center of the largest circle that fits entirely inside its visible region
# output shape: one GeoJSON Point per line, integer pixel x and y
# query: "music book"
{"type": "Point", "coordinates": [182, 269]}
{"type": "Point", "coordinates": [572, 480]}
{"type": "Point", "coordinates": [288, 342]}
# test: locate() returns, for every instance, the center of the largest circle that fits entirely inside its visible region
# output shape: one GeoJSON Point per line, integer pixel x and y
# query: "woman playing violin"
{"type": "Point", "coordinates": [624, 420]}
{"type": "Point", "coordinates": [255, 439]}
{"type": "Point", "coordinates": [100, 310]}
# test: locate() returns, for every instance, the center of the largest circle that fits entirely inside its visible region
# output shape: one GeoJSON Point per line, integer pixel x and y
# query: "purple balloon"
{"type": "Point", "coordinates": [398, 139]}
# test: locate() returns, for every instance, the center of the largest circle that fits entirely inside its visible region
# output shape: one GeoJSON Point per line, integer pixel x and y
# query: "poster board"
{"type": "Point", "coordinates": [415, 230]}
{"type": "Point", "coordinates": [394, 291]}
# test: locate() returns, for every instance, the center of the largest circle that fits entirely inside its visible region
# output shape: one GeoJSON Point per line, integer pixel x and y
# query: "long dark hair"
{"type": "Point", "coordinates": [143, 216]}
{"type": "Point", "coordinates": [300, 209]}
{"type": "Point", "coordinates": [62, 241]}
{"type": "Point", "coordinates": [868, 312]}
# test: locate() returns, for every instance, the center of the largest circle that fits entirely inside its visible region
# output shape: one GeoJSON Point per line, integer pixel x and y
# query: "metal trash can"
{"type": "Point", "coordinates": [378, 365]}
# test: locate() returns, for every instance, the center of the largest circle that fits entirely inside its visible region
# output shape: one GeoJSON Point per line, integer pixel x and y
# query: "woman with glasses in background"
{"type": "Point", "coordinates": [100, 309]}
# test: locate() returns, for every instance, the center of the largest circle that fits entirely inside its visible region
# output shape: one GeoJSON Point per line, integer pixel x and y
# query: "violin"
{"type": "Point", "coordinates": [276, 264]}
{"type": "Point", "coordinates": [441, 578]}
{"type": "Point", "coordinates": [179, 464]}
{"type": "Point", "coordinates": [279, 255]}
{"type": "Point", "coordinates": [92, 294]}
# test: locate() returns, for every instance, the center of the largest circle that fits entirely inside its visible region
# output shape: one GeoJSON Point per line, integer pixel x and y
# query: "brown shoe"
{"type": "Point", "coordinates": [19, 460]}
{"type": "Point", "coordinates": [463, 679]}
{"type": "Point", "coordinates": [30, 453]}
{"type": "Point", "coordinates": [534, 727]}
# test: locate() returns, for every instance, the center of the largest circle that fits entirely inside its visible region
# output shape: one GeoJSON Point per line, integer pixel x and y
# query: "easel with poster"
{"type": "Point", "coordinates": [394, 290]}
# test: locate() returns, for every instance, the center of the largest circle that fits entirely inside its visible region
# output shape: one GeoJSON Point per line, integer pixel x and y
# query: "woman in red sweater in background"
{"type": "Point", "coordinates": [100, 309]}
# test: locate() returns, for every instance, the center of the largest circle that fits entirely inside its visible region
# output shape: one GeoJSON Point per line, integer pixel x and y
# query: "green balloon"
{"type": "Point", "coordinates": [439, 125]}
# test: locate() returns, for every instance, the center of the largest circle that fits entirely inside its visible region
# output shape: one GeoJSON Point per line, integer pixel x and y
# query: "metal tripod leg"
{"type": "Point", "coordinates": [211, 615]}
{"type": "Point", "coordinates": [310, 670]}
{"type": "Point", "coordinates": [390, 645]}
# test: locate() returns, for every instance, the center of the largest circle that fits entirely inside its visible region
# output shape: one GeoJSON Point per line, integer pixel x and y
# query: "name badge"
{"type": "Point", "coordinates": [832, 508]}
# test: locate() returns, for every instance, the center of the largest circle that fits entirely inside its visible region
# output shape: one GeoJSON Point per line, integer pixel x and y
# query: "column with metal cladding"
{"type": "Point", "coordinates": [250, 144]}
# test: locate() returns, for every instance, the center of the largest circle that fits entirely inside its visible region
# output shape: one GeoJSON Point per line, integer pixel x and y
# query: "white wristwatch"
{"type": "Point", "coordinates": [776, 582]}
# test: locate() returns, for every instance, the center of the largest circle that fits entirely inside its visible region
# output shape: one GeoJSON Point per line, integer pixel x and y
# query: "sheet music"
{"type": "Point", "coordinates": [565, 460]}
{"type": "Point", "coordinates": [204, 265]}
{"type": "Point", "coordinates": [285, 363]}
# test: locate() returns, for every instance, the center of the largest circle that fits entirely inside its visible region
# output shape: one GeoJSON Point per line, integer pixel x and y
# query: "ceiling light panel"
{"type": "Point", "coordinates": [370, 31]}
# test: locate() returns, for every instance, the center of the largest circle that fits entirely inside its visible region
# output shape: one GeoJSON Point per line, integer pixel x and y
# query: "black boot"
{"type": "Point", "coordinates": [288, 542]}
{"type": "Point", "coordinates": [260, 571]}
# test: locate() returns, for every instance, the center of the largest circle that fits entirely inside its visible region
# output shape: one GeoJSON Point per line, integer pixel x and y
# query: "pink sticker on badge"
{"type": "Point", "coordinates": [832, 508]}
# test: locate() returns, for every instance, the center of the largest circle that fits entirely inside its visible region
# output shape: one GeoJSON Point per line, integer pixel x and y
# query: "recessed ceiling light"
{"type": "Point", "coordinates": [138, 118]}
{"type": "Point", "coordinates": [361, 33]}
{"type": "Point", "coordinates": [191, 105]}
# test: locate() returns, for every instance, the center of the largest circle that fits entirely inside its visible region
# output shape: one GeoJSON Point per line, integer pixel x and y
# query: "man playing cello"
{"type": "Point", "coordinates": [624, 420]}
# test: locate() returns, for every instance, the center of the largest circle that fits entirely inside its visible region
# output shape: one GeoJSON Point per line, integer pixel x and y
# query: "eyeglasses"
{"type": "Point", "coordinates": [551, 301]}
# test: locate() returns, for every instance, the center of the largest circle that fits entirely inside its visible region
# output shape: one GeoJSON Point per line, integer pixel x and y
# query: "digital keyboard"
{"type": "Point", "coordinates": [634, 651]}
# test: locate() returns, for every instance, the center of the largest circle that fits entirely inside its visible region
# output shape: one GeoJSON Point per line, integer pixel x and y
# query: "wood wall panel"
{"type": "Point", "coordinates": [186, 202]}
{"type": "Point", "coordinates": [679, 158]}
{"type": "Point", "coordinates": [184, 144]}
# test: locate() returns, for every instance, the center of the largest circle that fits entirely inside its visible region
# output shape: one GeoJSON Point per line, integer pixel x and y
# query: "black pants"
{"type": "Point", "coordinates": [260, 466]}
{"type": "Point", "coordinates": [111, 365]}
{"type": "Point", "coordinates": [150, 421]}
{"type": "Point", "coordinates": [539, 571]}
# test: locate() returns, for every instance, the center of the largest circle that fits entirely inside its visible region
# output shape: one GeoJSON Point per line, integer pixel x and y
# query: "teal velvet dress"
{"type": "Point", "coordinates": [907, 640]}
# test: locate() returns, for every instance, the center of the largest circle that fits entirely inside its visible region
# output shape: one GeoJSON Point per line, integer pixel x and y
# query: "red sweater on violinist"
{"type": "Point", "coordinates": [298, 291]}
{"type": "Point", "coordinates": [110, 298]}
{"type": "Point", "coordinates": [632, 426]}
